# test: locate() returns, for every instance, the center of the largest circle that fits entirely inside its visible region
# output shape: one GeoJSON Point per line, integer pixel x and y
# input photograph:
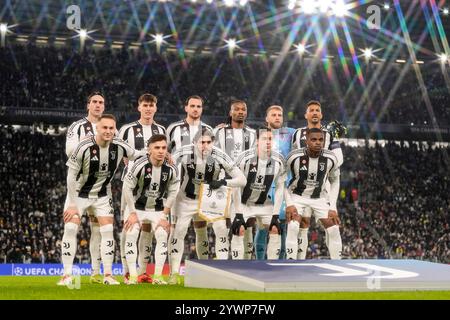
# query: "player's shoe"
{"type": "Point", "coordinates": [174, 279]}
{"type": "Point", "coordinates": [109, 280]}
{"type": "Point", "coordinates": [144, 278]}
{"type": "Point", "coordinates": [126, 278]}
{"type": "Point", "coordinates": [95, 278]}
{"type": "Point", "coordinates": [132, 280]}
{"type": "Point", "coordinates": [65, 281]}
{"type": "Point", "coordinates": [159, 280]}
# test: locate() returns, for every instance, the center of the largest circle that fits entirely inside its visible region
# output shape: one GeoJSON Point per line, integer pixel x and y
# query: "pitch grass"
{"type": "Point", "coordinates": [44, 288]}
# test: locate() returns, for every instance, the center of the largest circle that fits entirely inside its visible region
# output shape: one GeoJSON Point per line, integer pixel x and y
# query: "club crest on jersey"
{"type": "Point", "coordinates": [113, 155]}
{"type": "Point", "coordinates": [246, 138]}
{"type": "Point", "coordinates": [210, 167]}
{"type": "Point", "coordinates": [164, 176]}
{"type": "Point", "coordinates": [322, 166]}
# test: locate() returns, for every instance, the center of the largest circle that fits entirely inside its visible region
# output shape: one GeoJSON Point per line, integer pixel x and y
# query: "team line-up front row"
{"type": "Point", "coordinates": [160, 192]}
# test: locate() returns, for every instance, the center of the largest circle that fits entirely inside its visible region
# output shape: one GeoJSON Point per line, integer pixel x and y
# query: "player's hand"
{"type": "Point", "coordinates": [216, 184]}
{"type": "Point", "coordinates": [131, 220]}
{"type": "Point", "coordinates": [163, 223]}
{"type": "Point", "coordinates": [237, 223]}
{"type": "Point", "coordinates": [169, 158]}
{"type": "Point", "coordinates": [333, 215]}
{"type": "Point", "coordinates": [70, 213]}
{"type": "Point", "coordinates": [291, 213]}
{"type": "Point", "coordinates": [275, 222]}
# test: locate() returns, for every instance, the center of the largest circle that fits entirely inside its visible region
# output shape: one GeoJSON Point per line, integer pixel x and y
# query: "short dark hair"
{"type": "Point", "coordinates": [155, 138]}
{"type": "Point", "coordinates": [107, 116]}
{"type": "Point", "coordinates": [262, 129]}
{"type": "Point", "coordinates": [313, 130]}
{"type": "Point", "coordinates": [311, 102]}
{"type": "Point", "coordinates": [186, 102]}
{"type": "Point", "coordinates": [147, 97]}
{"type": "Point", "coordinates": [237, 101]}
{"type": "Point", "coordinates": [203, 131]}
{"type": "Point", "coordinates": [95, 93]}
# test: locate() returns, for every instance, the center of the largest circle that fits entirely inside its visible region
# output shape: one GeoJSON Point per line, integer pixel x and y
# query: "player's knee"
{"type": "Point", "coordinates": [327, 223]}
{"type": "Point", "coordinates": [161, 234]}
{"type": "Point", "coordinates": [273, 230]}
{"type": "Point", "coordinates": [70, 228]}
{"type": "Point", "coordinates": [133, 233]}
{"type": "Point", "coordinates": [241, 231]}
{"type": "Point", "coordinates": [293, 228]}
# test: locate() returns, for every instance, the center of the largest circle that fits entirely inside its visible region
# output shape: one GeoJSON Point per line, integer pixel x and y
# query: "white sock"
{"type": "Point", "coordinates": [334, 242]}
{"type": "Point", "coordinates": [291, 240]}
{"type": "Point", "coordinates": [201, 242]}
{"type": "Point", "coordinates": [94, 247]}
{"type": "Point", "coordinates": [107, 248]}
{"type": "Point", "coordinates": [237, 247]}
{"type": "Point", "coordinates": [274, 246]}
{"type": "Point", "coordinates": [176, 246]}
{"type": "Point", "coordinates": [69, 246]}
{"type": "Point", "coordinates": [248, 243]}
{"type": "Point", "coordinates": [160, 250]}
{"type": "Point", "coordinates": [302, 243]}
{"type": "Point", "coordinates": [131, 248]}
{"type": "Point", "coordinates": [145, 250]}
{"type": "Point", "coordinates": [222, 244]}
{"type": "Point", "coordinates": [123, 257]}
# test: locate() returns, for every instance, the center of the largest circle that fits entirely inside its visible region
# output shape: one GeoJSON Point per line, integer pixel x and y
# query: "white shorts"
{"type": "Point", "coordinates": [262, 213]}
{"type": "Point", "coordinates": [66, 205]}
{"type": "Point", "coordinates": [307, 207]}
{"type": "Point", "coordinates": [101, 207]}
{"type": "Point", "coordinates": [149, 216]}
{"type": "Point", "coordinates": [184, 209]}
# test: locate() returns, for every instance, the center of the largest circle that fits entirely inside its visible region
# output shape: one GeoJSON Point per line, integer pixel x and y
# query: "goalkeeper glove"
{"type": "Point", "coordinates": [275, 222]}
{"type": "Point", "coordinates": [237, 223]}
{"type": "Point", "coordinates": [216, 184]}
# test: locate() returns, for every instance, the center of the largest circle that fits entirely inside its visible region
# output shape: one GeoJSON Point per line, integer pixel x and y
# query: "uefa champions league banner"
{"type": "Point", "coordinates": [49, 269]}
{"type": "Point", "coordinates": [36, 269]}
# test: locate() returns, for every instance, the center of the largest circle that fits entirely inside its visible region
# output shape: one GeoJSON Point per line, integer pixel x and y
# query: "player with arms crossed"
{"type": "Point", "coordinates": [313, 116]}
{"type": "Point", "coordinates": [262, 167]}
{"type": "Point", "coordinates": [311, 168]}
{"type": "Point", "coordinates": [200, 162]}
{"type": "Point", "coordinates": [78, 131]}
{"type": "Point", "coordinates": [150, 179]}
{"type": "Point", "coordinates": [137, 135]}
{"type": "Point", "coordinates": [95, 160]}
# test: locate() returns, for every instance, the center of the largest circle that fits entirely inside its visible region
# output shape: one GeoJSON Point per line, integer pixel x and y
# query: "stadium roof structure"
{"type": "Point", "coordinates": [413, 30]}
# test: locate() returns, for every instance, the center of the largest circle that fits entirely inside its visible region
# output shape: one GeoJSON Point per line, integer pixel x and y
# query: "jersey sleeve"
{"type": "Point", "coordinates": [76, 158]}
{"type": "Point", "coordinates": [72, 139]}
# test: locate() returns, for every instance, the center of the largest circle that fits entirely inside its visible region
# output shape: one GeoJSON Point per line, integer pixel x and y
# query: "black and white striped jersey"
{"type": "Point", "coordinates": [330, 143]}
{"type": "Point", "coordinates": [234, 141]}
{"type": "Point", "coordinates": [137, 134]}
{"type": "Point", "coordinates": [261, 174]}
{"type": "Point", "coordinates": [181, 134]}
{"type": "Point", "coordinates": [195, 169]}
{"type": "Point", "coordinates": [309, 175]}
{"type": "Point", "coordinates": [151, 184]}
{"type": "Point", "coordinates": [96, 166]}
{"type": "Point", "coordinates": [77, 131]}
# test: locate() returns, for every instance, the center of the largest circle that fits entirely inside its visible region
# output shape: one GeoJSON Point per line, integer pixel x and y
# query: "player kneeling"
{"type": "Point", "coordinates": [151, 178]}
{"type": "Point", "coordinates": [262, 166]}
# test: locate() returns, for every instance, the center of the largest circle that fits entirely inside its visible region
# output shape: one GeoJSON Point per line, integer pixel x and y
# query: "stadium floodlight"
{"type": "Point", "coordinates": [209, 1]}
{"type": "Point", "coordinates": [443, 58]}
{"type": "Point", "coordinates": [300, 48]}
{"type": "Point", "coordinates": [308, 6]}
{"type": "Point", "coordinates": [368, 53]}
{"type": "Point", "coordinates": [229, 3]}
{"type": "Point", "coordinates": [243, 2]}
{"type": "Point", "coordinates": [291, 4]}
{"type": "Point", "coordinates": [193, 1]}
{"type": "Point", "coordinates": [231, 43]}
{"type": "Point", "coordinates": [340, 9]}
{"type": "Point", "coordinates": [325, 5]}
{"type": "Point", "coordinates": [445, 11]}
{"type": "Point", "coordinates": [3, 28]}
{"type": "Point", "coordinates": [386, 6]}
{"type": "Point", "coordinates": [83, 34]}
{"type": "Point", "coordinates": [158, 38]}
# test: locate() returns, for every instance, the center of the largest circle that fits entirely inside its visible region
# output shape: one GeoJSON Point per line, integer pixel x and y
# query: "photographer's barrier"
{"type": "Point", "coordinates": [317, 275]}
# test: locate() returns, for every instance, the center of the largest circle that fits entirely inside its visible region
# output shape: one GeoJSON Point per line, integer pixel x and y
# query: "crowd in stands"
{"type": "Point", "coordinates": [393, 202]}
{"type": "Point", "coordinates": [54, 77]}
